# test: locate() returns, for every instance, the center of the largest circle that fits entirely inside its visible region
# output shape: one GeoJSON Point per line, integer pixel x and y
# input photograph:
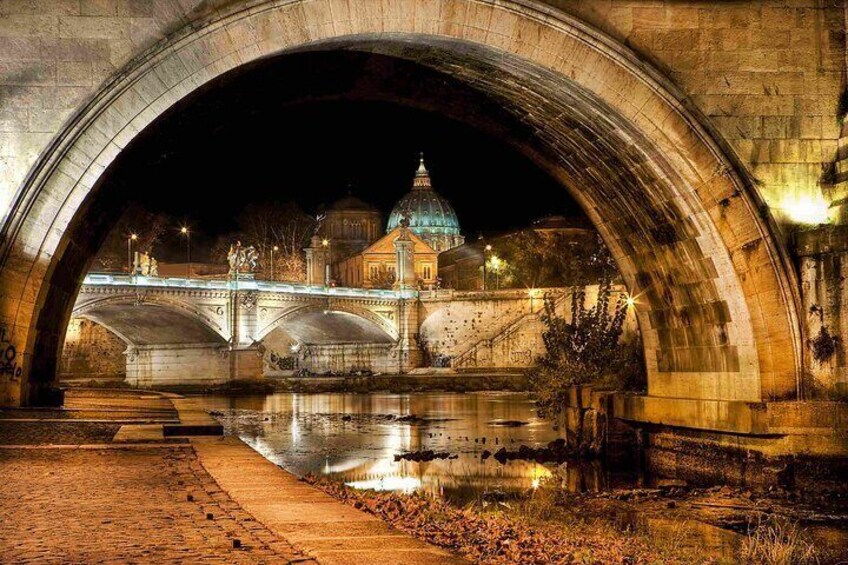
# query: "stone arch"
{"type": "Point", "coordinates": [390, 332]}
{"type": "Point", "coordinates": [717, 297]}
{"type": "Point", "coordinates": [104, 311]}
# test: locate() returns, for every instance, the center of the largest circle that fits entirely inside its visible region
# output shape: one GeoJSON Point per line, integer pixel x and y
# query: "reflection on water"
{"type": "Point", "coordinates": [355, 437]}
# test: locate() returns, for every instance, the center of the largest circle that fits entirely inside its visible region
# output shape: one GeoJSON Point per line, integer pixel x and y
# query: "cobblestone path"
{"type": "Point", "coordinates": [119, 504]}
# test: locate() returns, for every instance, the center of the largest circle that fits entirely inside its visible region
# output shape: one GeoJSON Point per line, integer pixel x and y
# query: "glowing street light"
{"type": "Point", "coordinates": [273, 249]}
{"type": "Point", "coordinates": [809, 210]}
{"type": "Point", "coordinates": [326, 243]}
{"type": "Point", "coordinates": [487, 249]}
{"type": "Point", "coordinates": [130, 239]}
{"type": "Point", "coordinates": [187, 233]}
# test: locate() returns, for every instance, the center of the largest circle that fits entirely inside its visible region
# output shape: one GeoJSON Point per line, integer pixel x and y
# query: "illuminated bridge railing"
{"type": "Point", "coordinates": [106, 279]}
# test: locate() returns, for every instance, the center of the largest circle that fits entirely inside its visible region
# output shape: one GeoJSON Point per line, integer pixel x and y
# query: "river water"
{"type": "Point", "coordinates": [354, 438]}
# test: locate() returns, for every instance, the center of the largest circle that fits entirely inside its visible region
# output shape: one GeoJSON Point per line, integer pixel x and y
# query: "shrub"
{"type": "Point", "coordinates": [584, 349]}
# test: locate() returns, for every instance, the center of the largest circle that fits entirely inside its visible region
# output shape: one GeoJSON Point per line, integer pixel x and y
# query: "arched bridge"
{"type": "Point", "coordinates": [170, 324]}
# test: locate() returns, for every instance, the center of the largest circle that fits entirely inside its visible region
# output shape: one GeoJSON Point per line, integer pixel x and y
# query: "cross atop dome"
{"type": "Point", "coordinates": [422, 176]}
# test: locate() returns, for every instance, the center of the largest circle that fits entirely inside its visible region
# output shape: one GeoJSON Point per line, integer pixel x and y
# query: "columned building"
{"type": "Point", "coordinates": [360, 256]}
{"type": "Point", "coordinates": [431, 216]}
{"type": "Point", "coordinates": [351, 225]}
{"type": "Point", "coordinates": [377, 265]}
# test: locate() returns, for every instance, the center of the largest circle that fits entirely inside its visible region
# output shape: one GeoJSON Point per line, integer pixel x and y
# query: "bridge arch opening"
{"type": "Point", "coordinates": [151, 324]}
{"type": "Point", "coordinates": [320, 326]}
{"type": "Point", "coordinates": [328, 342]}
{"type": "Point", "coordinates": [715, 296]}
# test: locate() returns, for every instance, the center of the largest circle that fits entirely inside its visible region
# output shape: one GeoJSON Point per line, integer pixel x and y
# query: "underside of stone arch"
{"type": "Point", "coordinates": [319, 327]}
{"type": "Point", "coordinates": [151, 324]}
{"type": "Point", "coordinates": [716, 300]}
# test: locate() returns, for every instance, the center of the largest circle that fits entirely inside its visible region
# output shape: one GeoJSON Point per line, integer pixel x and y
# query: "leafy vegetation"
{"type": "Point", "coordinates": [824, 346]}
{"type": "Point", "coordinates": [535, 259]}
{"type": "Point", "coordinates": [584, 349]}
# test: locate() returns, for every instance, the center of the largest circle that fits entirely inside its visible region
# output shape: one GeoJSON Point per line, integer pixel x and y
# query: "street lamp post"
{"type": "Point", "coordinates": [496, 266]}
{"type": "Point", "coordinates": [130, 239]}
{"type": "Point", "coordinates": [273, 249]}
{"type": "Point", "coordinates": [486, 251]}
{"type": "Point", "coordinates": [187, 233]}
{"type": "Point", "coordinates": [326, 244]}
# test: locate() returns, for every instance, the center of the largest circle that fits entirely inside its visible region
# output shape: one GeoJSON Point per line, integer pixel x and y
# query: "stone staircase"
{"type": "Point", "coordinates": [479, 355]}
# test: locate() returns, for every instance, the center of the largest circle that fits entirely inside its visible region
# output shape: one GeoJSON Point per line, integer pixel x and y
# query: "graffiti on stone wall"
{"type": "Point", "coordinates": [9, 360]}
{"type": "Point", "coordinates": [280, 362]}
{"type": "Point", "coordinates": [521, 357]}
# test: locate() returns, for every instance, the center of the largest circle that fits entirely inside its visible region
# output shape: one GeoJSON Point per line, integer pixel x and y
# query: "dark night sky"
{"type": "Point", "coordinates": [304, 127]}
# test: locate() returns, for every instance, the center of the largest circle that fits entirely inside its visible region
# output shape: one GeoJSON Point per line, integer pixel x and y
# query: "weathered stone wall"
{"type": "Point", "coordinates": [823, 265]}
{"type": "Point", "coordinates": [454, 322]}
{"type": "Point", "coordinates": [494, 329]}
{"type": "Point", "coordinates": [92, 351]}
{"type": "Point", "coordinates": [182, 364]}
{"type": "Point", "coordinates": [346, 358]}
{"type": "Point", "coordinates": [280, 359]}
{"type": "Point", "coordinates": [767, 74]}
{"type": "Point", "coordinates": [690, 234]}
{"type": "Point", "coordinates": [277, 353]}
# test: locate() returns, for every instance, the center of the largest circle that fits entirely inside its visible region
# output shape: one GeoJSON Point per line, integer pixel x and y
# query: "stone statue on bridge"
{"type": "Point", "coordinates": [242, 260]}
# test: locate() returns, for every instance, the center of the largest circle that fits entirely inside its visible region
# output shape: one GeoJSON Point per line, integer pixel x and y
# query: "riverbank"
{"type": "Point", "coordinates": [398, 384]}
{"type": "Point", "coordinates": [444, 448]}
{"type": "Point", "coordinates": [129, 477]}
{"type": "Point", "coordinates": [502, 535]}
{"type": "Point", "coordinates": [669, 526]}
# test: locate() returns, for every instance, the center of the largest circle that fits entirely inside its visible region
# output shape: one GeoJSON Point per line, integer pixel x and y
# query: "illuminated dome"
{"type": "Point", "coordinates": [431, 217]}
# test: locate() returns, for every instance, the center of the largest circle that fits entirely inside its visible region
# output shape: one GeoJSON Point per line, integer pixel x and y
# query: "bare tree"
{"type": "Point", "coordinates": [281, 230]}
{"type": "Point", "coordinates": [149, 229]}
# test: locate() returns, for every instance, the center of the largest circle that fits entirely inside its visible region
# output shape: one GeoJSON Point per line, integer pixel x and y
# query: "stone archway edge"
{"type": "Point", "coordinates": [136, 96]}
{"type": "Point", "coordinates": [540, 13]}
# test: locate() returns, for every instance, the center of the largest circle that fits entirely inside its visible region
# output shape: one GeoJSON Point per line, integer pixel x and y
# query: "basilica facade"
{"type": "Point", "coordinates": [361, 255]}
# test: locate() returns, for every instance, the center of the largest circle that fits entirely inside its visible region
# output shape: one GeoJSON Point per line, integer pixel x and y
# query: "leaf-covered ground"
{"type": "Point", "coordinates": [506, 537]}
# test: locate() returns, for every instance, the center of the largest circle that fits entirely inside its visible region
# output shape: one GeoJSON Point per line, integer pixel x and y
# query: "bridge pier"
{"type": "Point", "coordinates": [408, 350]}
{"type": "Point", "coordinates": [178, 364]}
{"type": "Point", "coordinates": [246, 363]}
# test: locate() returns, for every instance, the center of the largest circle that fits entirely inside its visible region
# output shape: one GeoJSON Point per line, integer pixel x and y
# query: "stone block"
{"type": "Point", "coordinates": [89, 27]}
{"type": "Point", "coordinates": [19, 48]}
{"type": "Point", "coordinates": [26, 73]}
